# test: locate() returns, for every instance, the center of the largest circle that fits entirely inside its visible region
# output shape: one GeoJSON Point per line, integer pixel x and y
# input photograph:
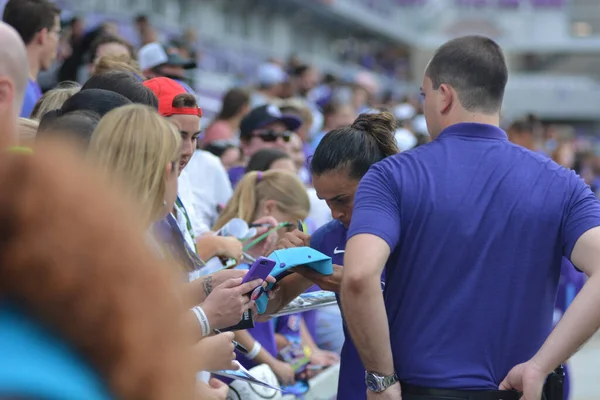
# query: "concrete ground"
{"type": "Point", "coordinates": [585, 368]}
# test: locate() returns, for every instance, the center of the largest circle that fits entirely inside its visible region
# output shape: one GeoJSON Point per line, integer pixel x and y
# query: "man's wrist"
{"type": "Point", "coordinates": [378, 383]}
{"type": "Point", "coordinates": [543, 365]}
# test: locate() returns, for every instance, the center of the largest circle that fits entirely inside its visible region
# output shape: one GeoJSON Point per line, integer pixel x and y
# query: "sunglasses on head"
{"type": "Point", "coordinates": [272, 136]}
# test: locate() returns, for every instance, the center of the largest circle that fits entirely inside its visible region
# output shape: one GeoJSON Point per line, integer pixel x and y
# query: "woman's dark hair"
{"type": "Point", "coordinates": [355, 148]}
{"type": "Point", "coordinates": [233, 103]}
{"type": "Point", "coordinates": [185, 100]}
{"type": "Point", "coordinates": [219, 147]}
{"type": "Point", "coordinates": [96, 100]}
{"type": "Point", "coordinates": [124, 84]}
{"type": "Point", "coordinates": [78, 125]}
{"type": "Point", "coordinates": [83, 108]}
{"type": "Point", "coordinates": [263, 159]}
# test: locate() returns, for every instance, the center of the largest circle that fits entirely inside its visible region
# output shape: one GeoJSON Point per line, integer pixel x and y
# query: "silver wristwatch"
{"type": "Point", "coordinates": [378, 383]}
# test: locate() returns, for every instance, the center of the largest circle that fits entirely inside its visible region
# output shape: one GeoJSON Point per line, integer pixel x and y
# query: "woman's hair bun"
{"type": "Point", "coordinates": [376, 123]}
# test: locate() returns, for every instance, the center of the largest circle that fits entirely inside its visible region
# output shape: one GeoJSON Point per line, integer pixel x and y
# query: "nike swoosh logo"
{"type": "Point", "coordinates": [336, 251]}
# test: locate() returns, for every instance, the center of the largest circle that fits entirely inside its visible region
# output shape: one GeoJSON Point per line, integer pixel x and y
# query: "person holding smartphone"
{"type": "Point", "coordinates": [342, 158]}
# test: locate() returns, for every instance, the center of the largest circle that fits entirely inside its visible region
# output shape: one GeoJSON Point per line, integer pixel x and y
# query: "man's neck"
{"type": "Point", "coordinates": [476, 118]}
{"type": "Point", "coordinates": [34, 64]}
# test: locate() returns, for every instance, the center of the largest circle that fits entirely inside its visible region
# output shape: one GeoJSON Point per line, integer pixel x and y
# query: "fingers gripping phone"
{"type": "Point", "coordinates": [260, 269]}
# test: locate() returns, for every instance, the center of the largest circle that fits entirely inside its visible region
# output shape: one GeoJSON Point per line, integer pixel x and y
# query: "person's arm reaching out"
{"type": "Point", "coordinates": [581, 240]}
{"type": "Point", "coordinates": [374, 233]}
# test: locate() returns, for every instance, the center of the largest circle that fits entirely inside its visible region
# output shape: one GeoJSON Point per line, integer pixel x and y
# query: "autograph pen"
{"type": "Point", "coordinates": [238, 346]}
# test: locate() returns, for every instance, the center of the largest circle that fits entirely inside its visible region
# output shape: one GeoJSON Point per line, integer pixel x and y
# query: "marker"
{"type": "Point", "coordinates": [237, 346]}
{"type": "Point", "coordinates": [300, 225]}
{"type": "Point", "coordinates": [260, 226]}
{"type": "Point", "coordinates": [248, 257]}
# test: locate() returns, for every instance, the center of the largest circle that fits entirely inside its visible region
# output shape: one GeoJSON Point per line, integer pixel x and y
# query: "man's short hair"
{"type": "Point", "coordinates": [106, 38]}
{"type": "Point", "coordinates": [475, 67]}
{"type": "Point", "coordinates": [29, 17]}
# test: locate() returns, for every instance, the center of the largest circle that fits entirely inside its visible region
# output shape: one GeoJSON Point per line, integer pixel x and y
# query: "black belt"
{"type": "Point", "coordinates": [453, 394]}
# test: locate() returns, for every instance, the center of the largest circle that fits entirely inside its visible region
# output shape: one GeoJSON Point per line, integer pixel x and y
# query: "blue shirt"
{"type": "Point", "coordinates": [32, 95]}
{"type": "Point", "coordinates": [330, 239]}
{"type": "Point", "coordinates": [37, 364]}
{"type": "Point", "coordinates": [477, 228]}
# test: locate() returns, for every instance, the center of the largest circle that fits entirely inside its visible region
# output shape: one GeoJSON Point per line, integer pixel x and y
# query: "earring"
{"type": "Point", "coordinates": [164, 203]}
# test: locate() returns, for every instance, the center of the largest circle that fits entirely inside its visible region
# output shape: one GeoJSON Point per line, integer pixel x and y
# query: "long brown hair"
{"type": "Point", "coordinates": [73, 257]}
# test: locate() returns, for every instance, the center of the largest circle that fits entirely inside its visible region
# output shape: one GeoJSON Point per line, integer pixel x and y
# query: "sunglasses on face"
{"type": "Point", "coordinates": [272, 136]}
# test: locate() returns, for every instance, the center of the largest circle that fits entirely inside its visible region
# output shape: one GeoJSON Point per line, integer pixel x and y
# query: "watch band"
{"type": "Point", "coordinates": [379, 383]}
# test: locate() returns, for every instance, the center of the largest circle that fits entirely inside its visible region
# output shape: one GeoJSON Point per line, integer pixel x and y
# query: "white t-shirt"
{"type": "Point", "coordinates": [203, 186]}
{"type": "Point", "coordinates": [320, 214]}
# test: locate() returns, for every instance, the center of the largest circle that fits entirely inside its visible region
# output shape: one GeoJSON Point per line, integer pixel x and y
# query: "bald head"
{"type": "Point", "coordinates": [13, 58]}
{"type": "Point", "coordinates": [13, 80]}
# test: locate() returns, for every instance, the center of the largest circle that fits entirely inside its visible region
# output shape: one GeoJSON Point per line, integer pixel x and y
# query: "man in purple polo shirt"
{"type": "Point", "coordinates": [38, 23]}
{"type": "Point", "coordinates": [471, 230]}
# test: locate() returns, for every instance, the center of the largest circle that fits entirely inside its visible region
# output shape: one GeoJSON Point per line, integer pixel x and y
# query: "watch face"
{"type": "Point", "coordinates": [372, 383]}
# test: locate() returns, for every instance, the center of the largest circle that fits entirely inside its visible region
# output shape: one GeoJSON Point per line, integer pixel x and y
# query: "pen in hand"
{"type": "Point", "coordinates": [237, 346]}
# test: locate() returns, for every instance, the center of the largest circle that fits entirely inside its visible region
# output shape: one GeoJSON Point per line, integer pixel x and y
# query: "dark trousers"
{"type": "Point", "coordinates": [410, 392]}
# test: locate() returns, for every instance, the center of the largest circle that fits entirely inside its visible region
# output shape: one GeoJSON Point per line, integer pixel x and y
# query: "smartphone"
{"type": "Point", "coordinates": [261, 268]}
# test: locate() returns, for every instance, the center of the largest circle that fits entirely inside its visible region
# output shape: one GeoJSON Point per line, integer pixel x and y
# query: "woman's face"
{"type": "Point", "coordinates": [337, 189]}
{"type": "Point", "coordinates": [230, 157]}
{"type": "Point", "coordinates": [170, 188]}
{"type": "Point", "coordinates": [296, 150]}
{"type": "Point", "coordinates": [189, 128]}
{"type": "Point", "coordinates": [270, 208]}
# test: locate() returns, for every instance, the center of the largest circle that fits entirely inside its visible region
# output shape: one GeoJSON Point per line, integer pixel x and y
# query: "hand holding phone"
{"type": "Point", "coordinates": [261, 269]}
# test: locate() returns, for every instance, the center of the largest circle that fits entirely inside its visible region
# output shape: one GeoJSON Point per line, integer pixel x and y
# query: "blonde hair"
{"type": "Point", "coordinates": [133, 144]}
{"type": "Point", "coordinates": [54, 99]}
{"type": "Point", "coordinates": [121, 63]}
{"type": "Point", "coordinates": [27, 131]}
{"type": "Point", "coordinates": [257, 187]}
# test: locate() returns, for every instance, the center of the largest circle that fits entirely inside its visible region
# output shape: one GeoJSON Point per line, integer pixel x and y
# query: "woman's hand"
{"type": "Point", "coordinates": [284, 372]}
{"type": "Point", "coordinates": [293, 239]}
{"type": "Point", "coordinates": [227, 303]}
{"type": "Point", "coordinates": [210, 246]}
{"type": "Point", "coordinates": [230, 247]}
{"type": "Point", "coordinates": [216, 353]}
{"type": "Point", "coordinates": [267, 245]}
{"type": "Point", "coordinates": [323, 358]}
{"type": "Point", "coordinates": [325, 282]}
{"type": "Point", "coordinates": [214, 390]}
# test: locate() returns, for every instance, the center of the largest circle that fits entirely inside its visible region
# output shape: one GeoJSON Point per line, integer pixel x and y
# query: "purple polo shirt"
{"type": "Point", "coordinates": [330, 239]}
{"type": "Point", "coordinates": [477, 229]}
{"type": "Point", "coordinates": [32, 95]}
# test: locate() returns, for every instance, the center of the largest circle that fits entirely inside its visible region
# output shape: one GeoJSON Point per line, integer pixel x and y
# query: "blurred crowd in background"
{"type": "Point", "coordinates": [260, 126]}
{"type": "Point", "coordinates": [322, 99]}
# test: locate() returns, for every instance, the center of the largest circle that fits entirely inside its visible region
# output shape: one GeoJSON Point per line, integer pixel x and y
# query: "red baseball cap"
{"type": "Point", "coordinates": [166, 90]}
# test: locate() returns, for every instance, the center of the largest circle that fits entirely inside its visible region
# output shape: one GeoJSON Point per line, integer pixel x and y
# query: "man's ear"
{"type": "Point", "coordinates": [7, 92]}
{"type": "Point", "coordinates": [41, 37]}
{"type": "Point", "coordinates": [447, 97]}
